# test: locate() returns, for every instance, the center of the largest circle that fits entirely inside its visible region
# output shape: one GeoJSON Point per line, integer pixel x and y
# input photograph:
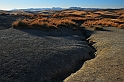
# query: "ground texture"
{"type": "Point", "coordinates": [108, 65]}
{"type": "Point", "coordinates": [41, 56]}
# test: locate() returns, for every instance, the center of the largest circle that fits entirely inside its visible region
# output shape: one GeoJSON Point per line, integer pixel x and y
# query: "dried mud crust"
{"type": "Point", "coordinates": [40, 56]}
{"type": "Point", "coordinates": [108, 65]}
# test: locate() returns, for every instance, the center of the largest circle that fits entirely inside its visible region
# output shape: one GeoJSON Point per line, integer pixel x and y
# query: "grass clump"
{"type": "Point", "coordinates": [43, 23]}
{"type": "Point", "coordinates": [98, 28]}
{"type": "Point", "coordinates": [20, 23]}
{"type": "Point", "coordinates": [103, 23]}
{"type": "Point", "coordinates": [90, 19]}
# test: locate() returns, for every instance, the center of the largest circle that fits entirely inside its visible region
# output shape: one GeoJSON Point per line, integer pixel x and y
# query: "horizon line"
{"type": "Point", "coordinates": [66, 7]}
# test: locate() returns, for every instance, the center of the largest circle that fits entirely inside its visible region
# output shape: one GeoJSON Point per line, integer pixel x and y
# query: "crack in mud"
{"type": "Point", "coordinates": [52, 58]}
{"type": "Point", "coordinates": [79, 64]}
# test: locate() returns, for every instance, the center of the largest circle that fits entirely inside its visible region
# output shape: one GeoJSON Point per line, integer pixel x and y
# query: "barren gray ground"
{"type": "Point", "coordinates": [108, 65]}
{"type": "Point", "coordinates": [41, 56]}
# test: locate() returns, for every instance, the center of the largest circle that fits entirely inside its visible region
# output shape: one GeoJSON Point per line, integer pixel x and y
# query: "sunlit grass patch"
{"type": "Point", "coordinates": [43, 23]}
{"type": "Point", "coordinates": [88, 19]}
{"type": "Point", "coordinates": [103, 23]}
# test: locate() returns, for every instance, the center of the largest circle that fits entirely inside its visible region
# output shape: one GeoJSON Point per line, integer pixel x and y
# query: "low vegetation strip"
{"type": "Point", "coordinates": [43, 23]}
{"type": "Point", "coordinates": [60, 19]}
{"type": "Point", "coordinates": [104, 23]}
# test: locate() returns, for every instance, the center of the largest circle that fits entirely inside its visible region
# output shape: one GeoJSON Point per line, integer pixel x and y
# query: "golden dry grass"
{"type": "Point", "coordinates": [104, 23]}
{"type": "Point", "coordinates": [43, 23]}
{"type": "Point", "coordinates": [72, 18]}
{"type": "Point", "coordinates": [20, 23]}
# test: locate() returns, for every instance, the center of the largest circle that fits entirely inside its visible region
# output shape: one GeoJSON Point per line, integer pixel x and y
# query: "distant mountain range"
{"type": "Point", "coordinates": [56, 8]}
{"type": "Point", "coordinates": [39, 9]}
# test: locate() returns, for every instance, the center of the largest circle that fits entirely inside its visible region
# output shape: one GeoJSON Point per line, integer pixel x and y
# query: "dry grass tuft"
{"type": "Point", "coordinates": [43, 23]}
{"type": "Point", "coordinates": [121, 26]}
{"type": "Point", "coordinates": [90, 19]}
{"type": "Point", "coordinates": [103, 23]}
{"type": "Point", "coordinates": [20, 23]}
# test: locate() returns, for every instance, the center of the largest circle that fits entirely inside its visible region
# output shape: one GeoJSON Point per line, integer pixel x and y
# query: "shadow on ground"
{"type": "Point", "coordinates": [43, 55]}
{"type": "Point", "coordinates": [80, 35]}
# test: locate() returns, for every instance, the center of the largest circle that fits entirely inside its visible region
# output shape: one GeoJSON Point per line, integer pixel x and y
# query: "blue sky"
{"type": "Point", "coordinates": [11, 4]}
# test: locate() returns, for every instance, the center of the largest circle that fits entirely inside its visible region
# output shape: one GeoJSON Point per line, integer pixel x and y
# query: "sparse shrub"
{"type": "Point", "coordinates": [121, 26]}
{"type": "Point", "coordinates": [61, 15]}
{"type": "Point", "coordinates": [20, 23]}
{"type": "Point", "coordinates": [98, 28]}
{"type": "Point", "coordinates": [29, 15]}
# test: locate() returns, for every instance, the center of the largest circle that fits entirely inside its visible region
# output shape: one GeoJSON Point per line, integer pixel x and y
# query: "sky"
{"type": "Point", "coordinates": [19, 4]}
